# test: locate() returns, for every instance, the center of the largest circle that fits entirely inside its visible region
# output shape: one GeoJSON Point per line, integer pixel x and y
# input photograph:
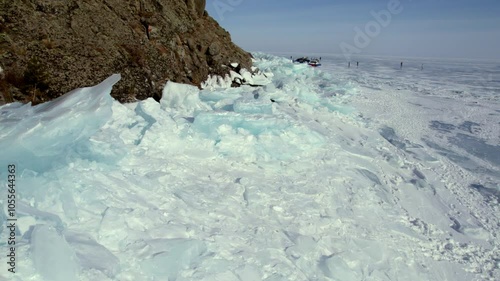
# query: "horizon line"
{"type": "Point", "coordinates": [493, 60]}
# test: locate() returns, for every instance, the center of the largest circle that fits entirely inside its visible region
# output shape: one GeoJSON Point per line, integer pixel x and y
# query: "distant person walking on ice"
{"type": "Point", "coordinates": [401, 65]}
{"type": "Point", "coordinates": [349, 65]}
{"type": "Point", "coordinates": [357, 63]}
{"type": "Point", "coordinates": [422, 67]}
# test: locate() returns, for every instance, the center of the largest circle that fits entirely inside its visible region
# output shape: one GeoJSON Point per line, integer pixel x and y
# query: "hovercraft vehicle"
{"type": "Point", "coordinates": [314, 62]}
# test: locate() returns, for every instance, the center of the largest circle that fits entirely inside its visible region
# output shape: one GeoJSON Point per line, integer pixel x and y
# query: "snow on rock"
{"type": "Point", "coordinates": [234, 64]}
{"type": "Point", "coordinates": [262, 78]}
{"type": "Point", "coordinates": [235, 75]}
{"type": "Point", "coordinates": [244, 77]}
{"type": "Point", "coordinates": [182, 98]}
{"type": "Point", "coordinates": [247, 76]}
{"type": "Point", "coordinates": [226, 82]}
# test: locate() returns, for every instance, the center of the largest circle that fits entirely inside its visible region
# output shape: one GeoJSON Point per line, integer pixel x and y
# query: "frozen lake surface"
{"type": "Point", "coordinates": [331, 173]}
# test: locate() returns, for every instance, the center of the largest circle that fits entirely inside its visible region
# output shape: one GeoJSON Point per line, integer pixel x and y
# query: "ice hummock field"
{"type": "Point", "coordinates": [371, 174]}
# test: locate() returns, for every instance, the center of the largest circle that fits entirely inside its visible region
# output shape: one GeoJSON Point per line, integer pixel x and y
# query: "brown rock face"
{"type": "Point", "coordinates": [197, 6]}
{"type": "Point", "coordinates": [49, 47]}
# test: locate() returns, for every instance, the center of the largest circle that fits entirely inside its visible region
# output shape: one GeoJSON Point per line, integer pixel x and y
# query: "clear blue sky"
{"type": "Point", "coordinates": [423, 28]}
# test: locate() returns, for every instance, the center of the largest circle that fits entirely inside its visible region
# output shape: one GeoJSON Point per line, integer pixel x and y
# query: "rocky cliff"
{"type": "Point", "coordinates": [49, 47]}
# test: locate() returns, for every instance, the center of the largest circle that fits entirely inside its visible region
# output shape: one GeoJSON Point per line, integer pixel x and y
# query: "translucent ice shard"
{"type": "Point", "coordinates": [53, 258]}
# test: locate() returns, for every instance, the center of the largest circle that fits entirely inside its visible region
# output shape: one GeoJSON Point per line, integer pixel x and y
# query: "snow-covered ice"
{"type": "Point", "coordinates": [320, 174]}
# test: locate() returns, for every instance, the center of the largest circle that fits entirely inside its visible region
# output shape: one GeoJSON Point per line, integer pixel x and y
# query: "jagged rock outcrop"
{"type": "Point", "coordinates": [49, 47]}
